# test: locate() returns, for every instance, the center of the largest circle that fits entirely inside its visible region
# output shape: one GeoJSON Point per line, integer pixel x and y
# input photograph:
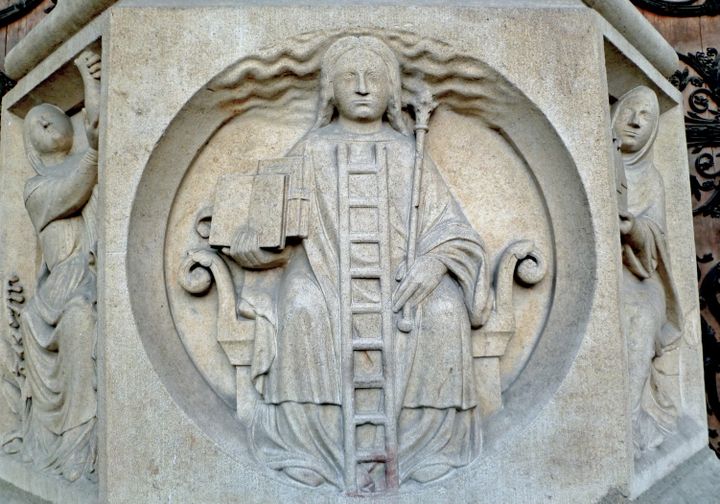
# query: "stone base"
{"type": "Point", "coordinates": [170, 426]}
{"type": "Point", "coordinates": [695, 480]}
{"type": "Point", "coordinates": [33, 487]}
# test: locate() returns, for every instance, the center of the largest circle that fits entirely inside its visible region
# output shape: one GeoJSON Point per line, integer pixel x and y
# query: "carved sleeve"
{"type": "Point", "coordinates": [447, 235]}
{"type": "Point", "coordinates": [62, 194]}
{"type": "Point", "coordinates": [641, 247]}
{"type": "Point", "coordinates": [260, 259]}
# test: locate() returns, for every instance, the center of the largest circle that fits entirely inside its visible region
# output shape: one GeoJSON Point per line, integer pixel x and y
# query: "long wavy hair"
{"type": "Point", "coordinates": [327, 107]}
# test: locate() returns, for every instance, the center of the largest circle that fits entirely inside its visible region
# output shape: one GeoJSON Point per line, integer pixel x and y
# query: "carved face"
{"type": "Point", "coordinates": [49, 130]}
{"type": "Point", "coordinates": [635, 121]}
{"type": "Point", "coordinates": [361, 86]}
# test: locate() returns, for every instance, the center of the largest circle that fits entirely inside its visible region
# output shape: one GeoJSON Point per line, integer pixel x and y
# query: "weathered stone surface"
{"type": "Point", "coordinates": [653, 320]}
{"type": "Point", "coordinates": [66, 19]}
{"type": "Point", "coordinates": [51, 380]}
{"type": "Point", "coordinates": [257, 194]}
{"type": "Point", "coordinates": [625, 17]}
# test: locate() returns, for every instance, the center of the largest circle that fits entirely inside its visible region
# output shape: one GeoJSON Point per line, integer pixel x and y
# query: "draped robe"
{"type": "Point", "coordinates": [59, 322]}
{"type": "Point", "coordinates": [652, 317]}
{"type": "Point", "coordinates": [297, 363]}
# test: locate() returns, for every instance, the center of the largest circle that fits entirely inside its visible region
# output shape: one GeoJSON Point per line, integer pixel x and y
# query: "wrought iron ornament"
{"type": "Point", "coordinates": [702, 128]}
{"type": "Point", "coordinates": [6, 84]}
{"type": "Point", "coordinates": [680, 8]}
{"type": "Point", "coordinates": [18, 10]}
{"type": "Point", "coordinates": [709, 288]}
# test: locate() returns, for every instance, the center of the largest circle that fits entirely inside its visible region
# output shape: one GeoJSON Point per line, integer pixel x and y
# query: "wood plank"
{"type": "Point", "coordinates": [14, 34]}
{"type": "Point", "coordinates": [37, 15]}
{"type": "Point", "coordinates": [682, 33]}
{"type": "Point", "coordinates": [710, 32]}
{"type": "Point", "coordinates": [3, 37]}
{"type": "Point", "coordinates": [18, 29]}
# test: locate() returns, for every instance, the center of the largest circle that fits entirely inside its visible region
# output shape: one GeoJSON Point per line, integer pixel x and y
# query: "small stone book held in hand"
{"type": "Point", "coordinates": [271, 202]}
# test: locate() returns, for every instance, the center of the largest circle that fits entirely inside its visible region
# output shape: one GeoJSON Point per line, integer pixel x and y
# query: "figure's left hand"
{"type": "Point", "coordinates": [424, 275]}
{"type": "Point", "coordinates": [632, 230]}
{"type": "Point", "coordinates": [627, 222]}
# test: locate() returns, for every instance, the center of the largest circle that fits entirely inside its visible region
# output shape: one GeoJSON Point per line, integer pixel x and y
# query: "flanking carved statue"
{"type": "Point", "coordinates": [651, 313]}
{"type": "Point", "coordinates": [56, 388]}
{"type": "Point", "coordinates": [357, 368]}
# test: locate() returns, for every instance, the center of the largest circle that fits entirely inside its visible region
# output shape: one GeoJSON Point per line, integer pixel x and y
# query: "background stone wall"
{"type": "Point", "coordinates": [694, 37]}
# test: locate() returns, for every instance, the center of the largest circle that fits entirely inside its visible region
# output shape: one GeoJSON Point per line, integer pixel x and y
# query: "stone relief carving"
{"type": "Point", "coordinates": [14, 367]}
{"type": "Point", "coordinates": [55, 331]}
{"type": "Point", "coordinates": [369, 358]}
{"type": "Point", "coordinates": [651, 313]}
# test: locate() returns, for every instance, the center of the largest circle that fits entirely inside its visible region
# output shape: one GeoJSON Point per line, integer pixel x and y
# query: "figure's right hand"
{"type": "Point", "coordinates": [245, 250]}
{"type": "Point", "coordinates": [90, 67]}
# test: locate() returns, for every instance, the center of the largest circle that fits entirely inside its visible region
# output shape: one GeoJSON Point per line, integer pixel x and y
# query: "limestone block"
{"type": "Point", "coordinates": [66, 19]}
{"type": "Point", "coordinates": [349, 253]}
{"type": "Point", "coordinates": [625, 17]}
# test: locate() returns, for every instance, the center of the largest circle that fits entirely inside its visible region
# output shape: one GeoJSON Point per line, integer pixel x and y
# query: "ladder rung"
{"type": "Point", "coordinates": [377, 382]}
{"type": "Point", "coordinates": [366, 308]}
{"type": "Point", "coordinates": [363, 203]}
{"type": "Point", "coordinates": [371, 456]}
{"type": "Point", "coordinates": [368, 344]}
{"type": "Point", "coordinates": [369, 418]}
{"type": "Point", "coordinates": [365, 273]}
{"type": "Point", "coordinates": [364, 238]}
{"type": "Point", "coordinates": [360, 168]}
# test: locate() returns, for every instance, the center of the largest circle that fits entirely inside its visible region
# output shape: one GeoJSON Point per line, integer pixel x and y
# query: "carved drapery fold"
{"type": "Point", "coordinates": [51, 383]}
{"type": "Point", "coordinates": [357, 222]}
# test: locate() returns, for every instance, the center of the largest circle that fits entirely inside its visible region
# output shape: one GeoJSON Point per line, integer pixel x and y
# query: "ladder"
{"type": "Point", "coordinates": [367, 330]}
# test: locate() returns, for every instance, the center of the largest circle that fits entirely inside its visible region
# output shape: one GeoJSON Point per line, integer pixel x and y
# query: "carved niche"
{"type": "Point", "coordinates": [361, 354]}
{"type": "Point", "coordinates": [50, 383]}
{"type": "Point", "coordinates": [652, 316]}
{"type": "Point", "coordinates": [358, 260]}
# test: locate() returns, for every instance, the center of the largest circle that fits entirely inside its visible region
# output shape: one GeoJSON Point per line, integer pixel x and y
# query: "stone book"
{"type": "Point", "coordinates": [259, 201]}
{"type": "Point", "coordinates": [297, 199]}
{"type": "Point", "coordinates": [357, 253]}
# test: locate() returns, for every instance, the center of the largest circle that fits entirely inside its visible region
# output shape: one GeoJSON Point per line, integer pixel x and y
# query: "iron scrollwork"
{"type": "Point", "coordinates": [680, 8]}
{"type": "Point", "coordinates": [709, 303]}
{"type": "Point", "coordinates": [6, 84]}
{"type": "Point", "coordinates": [16, 11]}
{"type": "Point", "coordinates": [700, 80]}
{"type": "Point", "coordinates": [702, 126]}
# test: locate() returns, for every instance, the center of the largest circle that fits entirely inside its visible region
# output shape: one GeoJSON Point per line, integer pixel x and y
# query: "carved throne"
{"type": "Point", "coordinates": [519, 262]}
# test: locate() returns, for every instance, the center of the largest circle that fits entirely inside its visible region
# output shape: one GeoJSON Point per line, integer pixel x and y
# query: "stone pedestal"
{"type": "Point", "coordinates": [521, 138]}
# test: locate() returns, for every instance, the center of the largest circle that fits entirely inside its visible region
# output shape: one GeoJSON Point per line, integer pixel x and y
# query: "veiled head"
{"type": "Point", "coordinates": [360, 79]}
{"type": "Point", "coordinates": [48, 130]}
{"type": "Point", "coordinates": [635, 119]}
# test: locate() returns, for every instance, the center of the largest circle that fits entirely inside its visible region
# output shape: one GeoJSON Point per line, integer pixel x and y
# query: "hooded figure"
{"type": "Point", "coordinates": [651, 317]}
{"type": "Point", "coordinates": [58, 324]}
{"type": "Point", "coordinates": [302, 325]}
